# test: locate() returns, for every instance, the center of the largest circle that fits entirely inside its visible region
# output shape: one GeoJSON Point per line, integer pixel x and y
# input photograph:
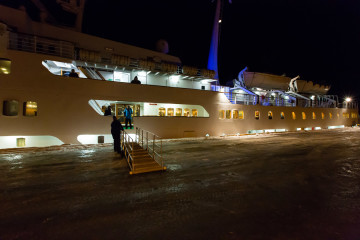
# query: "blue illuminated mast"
{"type": "Point", "coordinates": [213, 53]}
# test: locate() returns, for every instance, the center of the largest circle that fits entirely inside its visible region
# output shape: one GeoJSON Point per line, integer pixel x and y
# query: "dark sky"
{"type": "Point", "coordinates": [316, 39]}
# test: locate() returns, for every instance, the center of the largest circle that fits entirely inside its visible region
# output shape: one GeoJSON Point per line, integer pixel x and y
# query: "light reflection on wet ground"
{"type": "Point", "coordinates": [302, 185]}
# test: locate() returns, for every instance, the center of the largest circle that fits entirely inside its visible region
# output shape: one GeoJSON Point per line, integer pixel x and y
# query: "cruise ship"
{"type": "Point", "coordinates": [43, 105]}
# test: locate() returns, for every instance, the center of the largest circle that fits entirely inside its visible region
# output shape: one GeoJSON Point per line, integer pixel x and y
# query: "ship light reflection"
{"type": "Point", "coordinates": [13, 157]}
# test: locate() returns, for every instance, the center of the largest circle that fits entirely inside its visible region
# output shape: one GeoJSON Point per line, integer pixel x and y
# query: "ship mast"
{"type": "Point", "coordinates": [213, 53]}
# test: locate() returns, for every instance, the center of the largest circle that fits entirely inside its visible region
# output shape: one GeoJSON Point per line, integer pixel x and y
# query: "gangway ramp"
{"type": "Point", "coordinates": [143, 152]}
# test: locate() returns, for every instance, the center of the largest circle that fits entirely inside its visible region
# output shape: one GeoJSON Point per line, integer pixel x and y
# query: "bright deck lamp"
{"type": "Point", "coordinates": [348, 99]}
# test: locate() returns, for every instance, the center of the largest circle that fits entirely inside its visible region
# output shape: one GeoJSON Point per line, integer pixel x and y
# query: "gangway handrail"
{"type": "Point", "coordinates": [128, 149]}
{"type": "Point", "coordinates": [155, 149]}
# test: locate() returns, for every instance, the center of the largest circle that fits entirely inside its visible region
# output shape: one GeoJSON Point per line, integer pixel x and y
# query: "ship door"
{"type": "Point", "coordinates": [120, 111]}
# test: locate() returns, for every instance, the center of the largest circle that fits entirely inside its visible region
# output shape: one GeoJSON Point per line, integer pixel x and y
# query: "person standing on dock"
{"type": "Point", "coordinates": [127, 113]}
{"type": "Point", "coordinates": [116, 129]}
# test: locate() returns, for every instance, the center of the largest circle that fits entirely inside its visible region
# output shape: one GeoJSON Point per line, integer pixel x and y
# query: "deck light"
{"type": "Point", "coordinates": [348, 99]}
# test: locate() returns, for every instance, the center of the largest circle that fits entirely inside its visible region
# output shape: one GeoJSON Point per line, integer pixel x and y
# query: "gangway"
{"type": "Point", "coordinates": [143, 152]}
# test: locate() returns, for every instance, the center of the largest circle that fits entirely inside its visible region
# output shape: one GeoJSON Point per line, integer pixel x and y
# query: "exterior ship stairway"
{"type": "Point", "coordinates": [143, 152]}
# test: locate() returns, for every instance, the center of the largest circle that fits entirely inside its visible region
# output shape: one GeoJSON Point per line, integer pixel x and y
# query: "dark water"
{"type": "Point", "coordinates": [285, 186]}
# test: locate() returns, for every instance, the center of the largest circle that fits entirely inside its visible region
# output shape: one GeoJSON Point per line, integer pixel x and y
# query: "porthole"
{"type": "Point", "coordinates": [257, 115]}
{"type": "Point", "coordinates": [10, 108]}
{"type": "Point", "coordinates": [30, 109]}
{"type": "Point", "coordinates": [282, 115]}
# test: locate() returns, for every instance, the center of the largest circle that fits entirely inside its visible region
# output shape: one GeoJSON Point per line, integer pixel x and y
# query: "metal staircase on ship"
{"type": "Point", "coordinates": [143, 152]}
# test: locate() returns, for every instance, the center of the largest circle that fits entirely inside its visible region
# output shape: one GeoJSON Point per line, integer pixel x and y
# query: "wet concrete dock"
{"type": "Point", "coordinates": [302, 185]}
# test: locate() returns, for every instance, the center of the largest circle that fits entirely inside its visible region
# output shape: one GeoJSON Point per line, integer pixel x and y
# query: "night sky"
{"type": "Point", "coordinates": [316, 39]}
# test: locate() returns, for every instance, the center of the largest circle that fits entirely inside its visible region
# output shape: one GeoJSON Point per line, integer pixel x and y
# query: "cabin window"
{"type": "Point", "coordinates": [228, 114]}
{"type": "Point", "coordinates": [136, 109]}
{"type": "Point", "coordinates": [5, 66]}
{"type": "Point", "coordinates": [241, 115]}
{"type": "Point", "coordinates": [179, 112]}
{"type": "Point", "coordinates": [161, 112]}
{"type": "Point", "coordinates": [303, 115]}
{"type": "Point", "coordinates": [194, 112]}
{"type": "Point", "coordinates": [345, 115]}
{"type": "Point", "coordinates": [20, 142]}
{"type": "Point", "coordinates": [221, 114]}
{"type": "Point", "coordinates": [338, 115]}
{"type": "Point", "coordinates": [187, 112]}
{"type": "Point", "coordinates": [30, 109]}
{"type": "Point", "coordinates": [282, 115]}
{"type": "Point", "coordinates": [322, 115]}
{"type": "Point", "coordinates": [330, 115]}
{"type": "Point", "coordinates": [235, 114]}
{"type": "Point", "coordinates": [10, 108]}
{"type": "Point", "coordinates": [293, 115]}
{"type": "Point", "coordinates": [270, 115]}
{"type": "Point", "coordinates": [257, 115]}
{"type": "Point", "coordinates": [170, 112]}
{"type": "Point", "coordinates": [354, 115]}
{"type": "Point", "coordinates": [313, 115]}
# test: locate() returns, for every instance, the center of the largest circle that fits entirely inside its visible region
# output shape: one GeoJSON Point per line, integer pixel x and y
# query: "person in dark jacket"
{"type": "Point", "coordinates": [73, 73]}
{"type": "Point", "coordinates": [107, 111]}
{"type": "Point", "coordinates": [116, 129]}
{"type": "Point", "coordinates": [127, 113]}
{"type": "Point", "coordinates": [136, 80]}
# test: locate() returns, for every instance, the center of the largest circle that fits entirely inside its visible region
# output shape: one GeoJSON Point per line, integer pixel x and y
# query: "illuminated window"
{"type": "Point", "coordinates": [330, 115]}
{"type": "Point", "coordinates": [221, 114]}
{"type": "Point", "coordinates": [228, 114]}
{"type": "Point", "coordinates": [303, 115]}
{"type": "Point", "coordinates": [30, 109]}
{"type": "Point", "coordinates": [270, 114]}
{"type": "Point", "coordinates": [338, 115]}
{"type": "Point", "coordinates": [313, 115]}
{"type": "Point", "coordinates": [10, 108]}
{"type": "Point", "coordinates": [161, 112]}
{"type": "Point", "coordinates": [187, 112]}
{"type": "Point", "coordinates": [322, 115]}
{"type": "Point", "coordinates": [235, 114]}
{"type": "Point", "coordinates": [194, 112]}
{"type": "Point", "coordinates": [282, 115]}
{"type": "Point", "coordinates": [20, 142]}
{"type": "Point", "coordinates": [257, 115]}
{"type": "Point", "coordinates": [345, 115]}
{"type": "Point", "coordinates": [170, 112]}
{"type": "Point", "coordinates": [241, 115]}
{"type": "Point", "coordinates": [293, 115]}
{"type": "Point", "coordinates": [179, 112]}
{"type": "Point", "coordinates": [5, 66]}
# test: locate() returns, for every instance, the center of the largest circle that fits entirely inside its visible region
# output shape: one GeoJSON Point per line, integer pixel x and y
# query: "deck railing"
{"type": "Point", "coordinates": [36, 44]}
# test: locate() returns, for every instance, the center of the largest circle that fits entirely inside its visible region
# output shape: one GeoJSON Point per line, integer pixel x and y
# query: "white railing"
{"type": "Point", "coordinates": [36, 44]}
